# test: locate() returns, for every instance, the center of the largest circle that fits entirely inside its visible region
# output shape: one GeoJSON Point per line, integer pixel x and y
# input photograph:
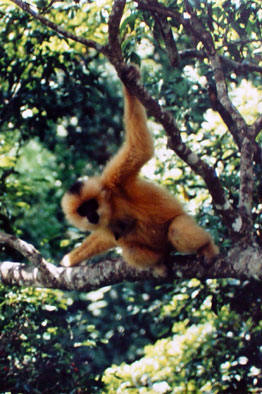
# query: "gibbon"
{"type": "Point", "coordinates": [122, 209]}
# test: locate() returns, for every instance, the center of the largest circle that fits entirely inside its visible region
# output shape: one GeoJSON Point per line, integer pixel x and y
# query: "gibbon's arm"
{"type": "Point", "coordinates": [94, 244]}
{"type": "Point", "coordinates": [138, 147]}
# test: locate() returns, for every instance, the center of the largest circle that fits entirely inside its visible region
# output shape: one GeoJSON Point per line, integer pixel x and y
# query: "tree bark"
{"type": "Point", "coordinates": [244, 261]}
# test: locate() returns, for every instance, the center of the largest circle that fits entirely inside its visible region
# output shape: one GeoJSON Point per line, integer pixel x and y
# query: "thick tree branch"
{"type": "Point", "coordinates": [114, 46]}
{"type": "Point", "coordinates": [242, 262]}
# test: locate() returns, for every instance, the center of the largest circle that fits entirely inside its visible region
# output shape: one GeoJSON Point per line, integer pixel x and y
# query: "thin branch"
{"type": "Point", "coordinates": [167, 35]}
{"type": "Point", "coordinates": [88, 43]}
{"type": "Point", "coordinates": [144, 5]}
{"type": "Point", "coordinates": [246, 184]}
{"type": "Point", "coordinates": [202, 35]}
{"type": "Point", "coordinates": [257, 126]}
{"type": "Point", "coordinates": [240, 67]}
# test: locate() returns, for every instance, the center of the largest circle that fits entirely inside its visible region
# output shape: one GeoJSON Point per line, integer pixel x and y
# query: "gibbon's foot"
{"type": "Point", "coordinates": [187, 237]}
{"type": "Point", "coordinates": [207, 260]}
{"type": "Point", "coordinates": [208, 253]}
{"type": "Point", "coordinates": [160, 270]}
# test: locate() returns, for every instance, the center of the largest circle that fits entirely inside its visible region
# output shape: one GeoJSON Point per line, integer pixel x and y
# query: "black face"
{"type": "Point", "coordinates": [89, 209]}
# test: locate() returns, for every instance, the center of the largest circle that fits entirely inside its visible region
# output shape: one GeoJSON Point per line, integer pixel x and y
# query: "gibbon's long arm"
{"type": "Point", "coordinates": [94, 244]}
{"type": "Point", "coordinates": [137, 149]}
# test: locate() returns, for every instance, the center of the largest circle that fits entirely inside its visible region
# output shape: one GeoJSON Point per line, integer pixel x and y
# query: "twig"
{"type": "Point", "coordinates": [88, 43]}
{"type": "Point", "coordinates": [246, 184]}
{"type": "Point", "coordinates": [167, 35]}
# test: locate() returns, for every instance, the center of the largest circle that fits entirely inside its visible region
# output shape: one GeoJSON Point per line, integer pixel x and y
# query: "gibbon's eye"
{"type": "Point", "coordinates": [89, 209]}
{"type": "Point", "coordinates": [76, 188]}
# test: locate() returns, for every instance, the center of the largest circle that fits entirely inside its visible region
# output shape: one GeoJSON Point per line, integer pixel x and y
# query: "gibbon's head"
{"type": "Point", "coordinates": [85, 204]}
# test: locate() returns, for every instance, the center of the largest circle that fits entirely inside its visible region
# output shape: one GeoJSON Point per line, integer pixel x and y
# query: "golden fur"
{"type": "Point", "coordinates": [127, 211]}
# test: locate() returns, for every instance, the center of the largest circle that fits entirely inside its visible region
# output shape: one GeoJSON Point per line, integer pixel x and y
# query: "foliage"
{"type": "Point", "coordinates": [37, 347]}
{"type": "Point", "coordinates": [60, 117]}
{"type": "Point", "coordinates": [215, 346]}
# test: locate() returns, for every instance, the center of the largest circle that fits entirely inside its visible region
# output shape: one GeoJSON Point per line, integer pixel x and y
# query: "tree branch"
{"type": "Point", "coordinates": [242, 262]}
{"type": "Point", "coordinates": [246, 185]}
{"type": "Point", "coordinates": [202, 35]}
{"type": "Point", "coordinates": [30, 253]}
{"type": "Point", "coordinates": [88, 43]}
{"type": "Point", "coordinates": [167, 35]}
{"type": "Point", "coordinates": [257, 127]}
{"type": "Point", "coordinates": [230, 115]}
{"type": "Point", "coordinates": [26, 249]}
{"type": "Point", "coordinates": [114, 46]}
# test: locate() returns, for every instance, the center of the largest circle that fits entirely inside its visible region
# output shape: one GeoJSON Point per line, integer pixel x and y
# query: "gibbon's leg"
{"type": "Point", "coordinates": [140, 256]}
{"type": "Point", "coordinates": [138, 147]}
{"type": "Point", "coordinates": [92, 245]}
{"type": "Point", "coordinates": [187, 237]}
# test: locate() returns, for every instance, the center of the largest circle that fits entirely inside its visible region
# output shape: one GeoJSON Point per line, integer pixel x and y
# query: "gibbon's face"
{"type": "Point", "coordinates": [89, 209]}
{"type": "Point", "coordinates": [85, 206]}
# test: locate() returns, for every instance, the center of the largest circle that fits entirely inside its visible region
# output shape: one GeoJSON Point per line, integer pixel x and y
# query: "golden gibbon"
{"type": "Point", "coordinates": [122, 209]}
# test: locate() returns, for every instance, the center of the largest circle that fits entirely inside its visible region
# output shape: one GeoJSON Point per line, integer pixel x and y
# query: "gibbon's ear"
{"type": "Point", "coordinates": [89, 209]}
